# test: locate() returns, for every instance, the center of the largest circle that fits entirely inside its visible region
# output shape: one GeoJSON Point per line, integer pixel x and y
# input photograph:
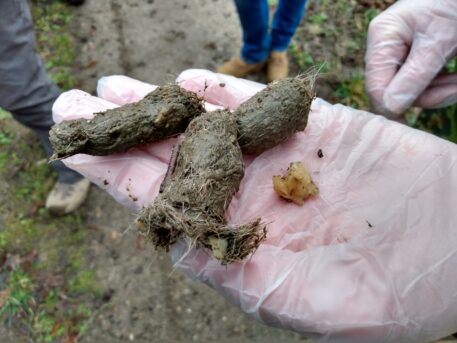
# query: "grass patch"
{"type": "Point", "coordinates": [332, 36]}
{"type": "Point", "coordinates": [47, 293]}
{"type": "Point", "coordinates": [351, 91]}
{"type": "Point", "coordinates": [18, 297]}
{"type": "Point", "coordinates": [55, 42]}
{"type": "Point", "coordinates": [43, 258]}
{"type": "Point", "coordinates": [4, 114]}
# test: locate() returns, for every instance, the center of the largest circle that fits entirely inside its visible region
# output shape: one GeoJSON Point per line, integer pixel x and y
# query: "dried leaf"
{"type": "Point", "coordinates": [3, 296]}
{"type": "Point", "coordinates": [55, 328]}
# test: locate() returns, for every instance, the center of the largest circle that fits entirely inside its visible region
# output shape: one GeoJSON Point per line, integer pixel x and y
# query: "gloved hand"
{"type": "Point", "coordinates": [408, 45]}
{"type": "Point", "coordinates": [372, 258]}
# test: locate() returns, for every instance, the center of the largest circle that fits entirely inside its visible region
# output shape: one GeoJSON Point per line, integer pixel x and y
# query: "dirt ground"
{"type": "Point", "coordinates": [147, 300]}
{"type": "Point", "coordinates": [154, 40]}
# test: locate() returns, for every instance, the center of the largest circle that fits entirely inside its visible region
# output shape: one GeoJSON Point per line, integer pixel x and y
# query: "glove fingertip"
{"type": "Point", "coordinates": [121, 89]}
{"type": "Point", "coordinates": [76, 104]}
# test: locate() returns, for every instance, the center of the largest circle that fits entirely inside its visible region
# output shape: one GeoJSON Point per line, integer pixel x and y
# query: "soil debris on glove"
{"type": "Point", "coordinates": [199, 186]}
{"type": "Point", "coordinates": [275, 113]}
{"type": "Point", "coordinates": [163, 113]}
{"type": "Point", "coordinates": [296, 185]}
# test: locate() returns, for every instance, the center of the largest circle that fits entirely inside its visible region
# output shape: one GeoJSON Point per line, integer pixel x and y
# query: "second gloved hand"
{"type": "Point", "coordinates": [408, 45]}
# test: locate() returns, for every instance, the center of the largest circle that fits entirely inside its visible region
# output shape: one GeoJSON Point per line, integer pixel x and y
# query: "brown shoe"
{"type": "Point", "coordinates": [278, 66]}
{"type": "Point", "coordinates": [67, 197]}
{"type": "Point", "coordinates": [239, 68]}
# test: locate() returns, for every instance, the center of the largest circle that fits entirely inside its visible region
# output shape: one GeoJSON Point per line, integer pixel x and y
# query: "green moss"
{"type": "Point", "coordinates": [84, 281]}
{"type": "Point", "coordinates": [302, 58]}
{"type": "Point", "coordinates": [5, 139]}
{"type": "Point", "coordinates": [43, 327]}
{"type": "Point", "coordinates": [351, 91]}
{"type": "Point", "coordinates": [4, 114]}
{"type": "Point", "coordinates": [371, 13]}
{"type": "Point", "coordinates": [3, 159]}
{"type": "Point", "coordinates": [54, 41]}
{"type": "Point", "coordinates": [318, 18]}
{"type": "Point", "coordinates": [58, 247]}
{"type": "Point", "coordinates": [20, 295]}
{"type": "Point", "coordinates": [305, 60]}
{"type": "Point", "coordinates": [37, 181]}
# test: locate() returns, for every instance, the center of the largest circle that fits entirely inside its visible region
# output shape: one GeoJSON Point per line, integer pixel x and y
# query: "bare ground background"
{"type": "Point", "coordinates": [87, 277]}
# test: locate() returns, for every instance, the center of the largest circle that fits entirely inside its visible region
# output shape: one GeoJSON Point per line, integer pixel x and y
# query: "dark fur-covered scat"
{"type": "Point", "coordinates": [202, 178]}
{"type": "Point", "coordinates": [163, 113]}
{"type": "Point", "coordinates": [274, 114]}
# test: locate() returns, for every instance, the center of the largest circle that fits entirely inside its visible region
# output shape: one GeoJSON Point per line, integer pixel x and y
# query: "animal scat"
{"type": "Point", "coordinates": [162, 113]}
{"type": "Point", "coordinates": [206, 172]}
{"type": "Point", "coordinates": [284, 110]}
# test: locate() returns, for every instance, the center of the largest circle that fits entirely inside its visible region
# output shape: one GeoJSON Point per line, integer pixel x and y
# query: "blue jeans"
{"type": "Point", "coordinates": [257, 39]}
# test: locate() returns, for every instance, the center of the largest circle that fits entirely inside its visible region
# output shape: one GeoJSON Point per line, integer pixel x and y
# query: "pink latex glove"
{"type": "Point", "coordinates": [372, 258]}
{"type": "Point", "coordinates": [408, 45]}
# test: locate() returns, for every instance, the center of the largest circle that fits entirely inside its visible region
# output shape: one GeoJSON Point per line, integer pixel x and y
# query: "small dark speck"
{"type": "Point", "coordinates": [369, 224]}
{"type": "Point", "coordinates": [105, 182]}
{"type": "Point", "coordinates": [320, 154]}
{"type": "Point", "coordinates": [221, 84]}
{"type": "Point", "coordinates": [107, 295]}
{"type": "Point", "coordinates": [210, 46]}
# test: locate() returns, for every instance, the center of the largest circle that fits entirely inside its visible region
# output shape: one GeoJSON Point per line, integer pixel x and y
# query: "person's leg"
{"type": "Point", "coordinates": [25, 89]}
{"type": "Point", "coordinates": [253, 16]}
{"type": "Point", "coordinates": [285, 22]}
